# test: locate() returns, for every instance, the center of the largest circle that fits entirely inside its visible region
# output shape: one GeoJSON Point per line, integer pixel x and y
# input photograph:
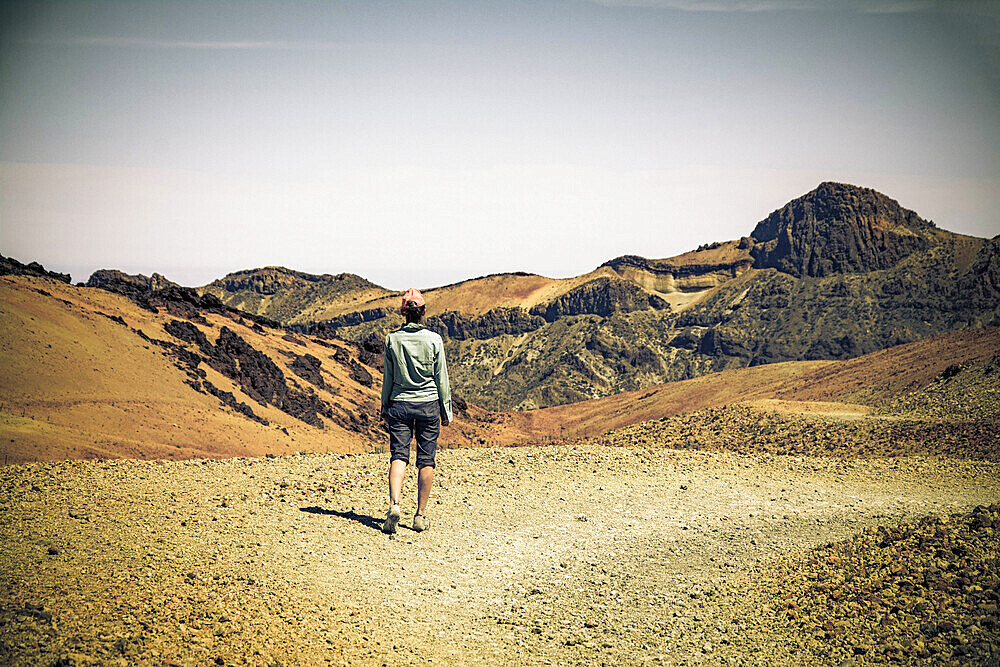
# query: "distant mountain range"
{"type": "Point", "coordinates": [837, 273]}
{"type": "Point", "coordinates": [276, 361]}
{"type": "Point", "coordinates": [120, 371]}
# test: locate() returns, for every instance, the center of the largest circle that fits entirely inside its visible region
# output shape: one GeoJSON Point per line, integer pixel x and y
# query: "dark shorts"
{"type": "Point", "coordinates": [407, 420]}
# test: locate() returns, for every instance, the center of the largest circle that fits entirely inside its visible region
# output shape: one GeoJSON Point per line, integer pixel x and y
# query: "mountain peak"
{"type": "Point", "coordinates": [838, 228]}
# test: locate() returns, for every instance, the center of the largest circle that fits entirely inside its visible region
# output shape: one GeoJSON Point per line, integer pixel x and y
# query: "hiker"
{"type": "Point", "coordinates": [416, 400]}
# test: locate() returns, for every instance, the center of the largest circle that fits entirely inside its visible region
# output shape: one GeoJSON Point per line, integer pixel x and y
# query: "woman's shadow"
{"type": "Point", "coordinates": [363, 519]}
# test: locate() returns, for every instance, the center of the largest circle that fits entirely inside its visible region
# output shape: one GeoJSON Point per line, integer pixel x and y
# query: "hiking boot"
{"type": "Point", "coordinates": [421, 523]}
{"type": "Point", "coordinates": [391, 519]}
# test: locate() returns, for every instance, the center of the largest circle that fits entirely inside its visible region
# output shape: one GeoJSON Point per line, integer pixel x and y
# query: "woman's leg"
{"type": "Point", "coordinates": [425, 477]}
{"type": "Point", "coordinates": [397, 471]}
{"type": "Point", "coordinates": [427, 429]}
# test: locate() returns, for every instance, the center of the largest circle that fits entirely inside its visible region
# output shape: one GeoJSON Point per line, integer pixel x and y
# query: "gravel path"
{"type": "Point", "coordinates": [549, 555]}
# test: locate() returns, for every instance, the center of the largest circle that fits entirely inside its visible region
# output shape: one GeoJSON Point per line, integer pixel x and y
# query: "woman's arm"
{"type": "Point", "coordinates": [443, 386]}
{"type": "Point", "coordinates": [387, 375]}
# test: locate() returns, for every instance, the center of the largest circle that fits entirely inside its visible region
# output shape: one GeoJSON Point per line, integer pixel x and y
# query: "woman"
{"type": "Point", "coordinates": [416, 400]}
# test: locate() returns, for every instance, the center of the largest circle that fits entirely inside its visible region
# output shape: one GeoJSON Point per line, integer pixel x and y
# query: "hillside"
{"type": "Point", "coordinates": [170, 374]}
{"type": "Point", "coordinates": [898, 375]}
{"type": "Point", "coordinates": [293, 296]}
{"type": "Point", "coordinates": [837, 273]}
{"type": "Point", "coordinates": [86, 373]}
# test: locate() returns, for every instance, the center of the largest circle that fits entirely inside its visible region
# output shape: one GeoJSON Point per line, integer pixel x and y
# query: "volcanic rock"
{"type": "Point", "coordinates": [496, 322]}
{"type": "Point", "coordinates": [838, 228]}
{"type": "Point", "coordinates": [274, 279]}
{"type": "Point", "coordinates": [309, 368]}
{"type": "Point", "coordinates": [103, 277]}
{"type": "Point", "coordinates": [603, 297]}
{"type": "Point", "coordinates": [10, 266]}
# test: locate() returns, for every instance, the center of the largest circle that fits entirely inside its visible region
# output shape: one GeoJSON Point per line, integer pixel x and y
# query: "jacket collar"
{"type": "Point", "coordinates": [412, 326]}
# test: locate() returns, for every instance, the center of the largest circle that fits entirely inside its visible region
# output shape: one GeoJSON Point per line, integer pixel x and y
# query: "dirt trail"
{"type": "Point", "coordinates": [575, 555]}
{"type": "Point", "coordinates": [818, 408]}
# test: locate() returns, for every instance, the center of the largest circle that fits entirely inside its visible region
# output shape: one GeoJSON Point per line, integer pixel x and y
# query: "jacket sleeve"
{"type": "Point", "coordinates": [387, 374]}
{"type": "Point", "coordinates": [441, 380]}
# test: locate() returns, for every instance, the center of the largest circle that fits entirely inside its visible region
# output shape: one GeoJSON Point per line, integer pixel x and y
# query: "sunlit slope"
{"type": "Point", "coordinates": [802, 386]}
{"type": "Point", "coordinates": [886, 374]}
{"type": "Point", "coordinates": [85, 373]}
{"type": "Point", "coordinates": [77, 384]}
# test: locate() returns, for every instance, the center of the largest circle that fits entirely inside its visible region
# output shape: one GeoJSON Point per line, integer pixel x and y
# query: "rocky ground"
{"type": "Point", "coordinates": [751, 430]}
{"type": "Point", "coordinates": [908, 593]}
{"type": "Point", "coordinates": [578, 554]}
{"type": "Point", "coordinates": [968, 391]}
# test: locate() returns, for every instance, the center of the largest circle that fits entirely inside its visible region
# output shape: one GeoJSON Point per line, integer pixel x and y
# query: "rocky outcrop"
{"type": "Point", "coordinates": [275, 279]}
{"type": "Point", "coordinates": [103, 277]}
{"type": "Point", "coordinates": [10, 266]}
{"type": "Point", "coordinates": [659, 267]}
{"type": "Point", "coordinates": [602, 296]}
{"type": "Point", "coordinates": [156, 293]}
{"type": "Point", "coordinates": [255, 373]}
{"type": "Point", "coordinates": [309, 368]}
{"type": "Point", "coordinates": [496, 322]}
{"type": "Point", "coordinates": [838, 228]}
{"type": "Point", "coordinates": [188, 333]}
{"type": "Point", "coordinates": [262, 380]}
{"type": "Point", "coordinates": [371, 350]}
{"type": "Point", "coordinates": [355, 318]}
{"type": "Point", "coordinates": [229, 399]}
{"type": "Point", "coordinates": [356, 371]}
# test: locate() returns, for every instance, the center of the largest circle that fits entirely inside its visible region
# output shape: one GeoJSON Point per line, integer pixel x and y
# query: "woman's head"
{"type": "Point", "coordinates": [412, 307]}
{"type": "Point", "coordinates": [412, 312]}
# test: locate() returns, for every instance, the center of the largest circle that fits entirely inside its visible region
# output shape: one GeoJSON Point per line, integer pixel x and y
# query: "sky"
{"type": "Point", "coordinates": [423, 143]}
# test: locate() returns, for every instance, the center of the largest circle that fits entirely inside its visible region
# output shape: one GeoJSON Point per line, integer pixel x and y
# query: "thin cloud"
{"type": "Point", "coordinates": [974, 7]}
{"type": "Point", "coordinates": [714, 5]}
{"type": "Point", "coordinates": [210, 45]}
{"type": "Point", "coordinates": [980, 18]}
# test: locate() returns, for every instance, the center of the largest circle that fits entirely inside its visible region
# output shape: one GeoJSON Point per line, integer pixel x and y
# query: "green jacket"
{"type": "Point", "coordinates": [415, 369]}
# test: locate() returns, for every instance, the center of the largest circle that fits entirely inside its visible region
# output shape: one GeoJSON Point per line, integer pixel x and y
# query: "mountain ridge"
{"type": "Point", "coordinates": [838, 272]}
{"type": "Point", "coordinates": [89, 374]}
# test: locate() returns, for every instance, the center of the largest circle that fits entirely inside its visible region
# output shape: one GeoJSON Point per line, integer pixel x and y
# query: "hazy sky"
{"type": "Point", "coordinates": [420, 143]}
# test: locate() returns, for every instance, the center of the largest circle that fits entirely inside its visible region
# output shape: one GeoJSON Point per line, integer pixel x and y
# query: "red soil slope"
{"type": "Point", "coordinates": [75, 383]}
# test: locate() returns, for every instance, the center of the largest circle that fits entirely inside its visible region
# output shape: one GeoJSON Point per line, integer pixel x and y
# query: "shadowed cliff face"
{"type": "Point", "coordinates": [979, 287]}
{"type": "Point", "coordinates": [838, 228]}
